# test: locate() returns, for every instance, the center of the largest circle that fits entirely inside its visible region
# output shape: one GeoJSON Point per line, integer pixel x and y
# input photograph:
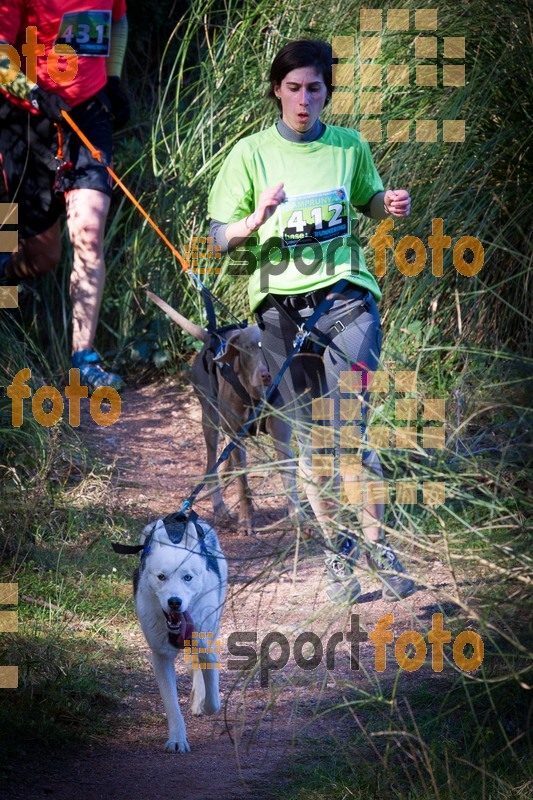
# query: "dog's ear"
{"type": "Point", "coordinates": [147, 530]}
{"type": "Point", "coordinates": [158, 531]}
{"type": "Point", "coordinates": [190, 538]}
{"type": "Point", "coordinates": [231, 350]}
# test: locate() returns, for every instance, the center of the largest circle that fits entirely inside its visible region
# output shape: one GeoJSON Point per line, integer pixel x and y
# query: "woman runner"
{"type": "Point", "coordinates": [294, 189]}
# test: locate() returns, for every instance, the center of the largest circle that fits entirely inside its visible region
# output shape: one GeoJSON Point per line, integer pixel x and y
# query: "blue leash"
{"type": "Point", "coordinates": [303, 333]}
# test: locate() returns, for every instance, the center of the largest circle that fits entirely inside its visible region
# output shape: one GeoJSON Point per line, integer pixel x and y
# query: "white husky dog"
{"type": "Point", "coordinates": [179, 589]}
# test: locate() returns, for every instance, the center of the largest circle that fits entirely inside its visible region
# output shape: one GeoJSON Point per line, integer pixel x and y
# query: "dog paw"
{"type": "Point", "coordinates": [172, 746]}
{"type": "Point", "coordinates": [197, 709]}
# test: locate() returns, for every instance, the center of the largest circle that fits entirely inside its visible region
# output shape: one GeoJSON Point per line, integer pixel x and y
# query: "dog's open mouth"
{"type": "Point", "coordinates": [180, 624]}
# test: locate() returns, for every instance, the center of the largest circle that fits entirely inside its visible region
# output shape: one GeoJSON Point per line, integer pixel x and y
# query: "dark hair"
{"type": "Point", "coordinates": [302, 53]}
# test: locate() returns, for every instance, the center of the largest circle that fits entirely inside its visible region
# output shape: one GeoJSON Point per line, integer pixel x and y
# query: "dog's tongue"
{"type": "Point", "coordinates": [187, 626]}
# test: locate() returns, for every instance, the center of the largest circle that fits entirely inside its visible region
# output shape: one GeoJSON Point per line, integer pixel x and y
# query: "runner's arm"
{"type": "Point", "coordinates": [117, 51]}
{"type": "Point", "coordinates": [120, 104]}
{"type": "Point", "coordinates": [384, 204]}
{"type": "Point", "coordinates": [234, 233]}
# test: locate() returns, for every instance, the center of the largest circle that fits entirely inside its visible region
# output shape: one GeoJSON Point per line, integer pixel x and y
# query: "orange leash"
{"type": "Point", "coordinates": [98, 156]}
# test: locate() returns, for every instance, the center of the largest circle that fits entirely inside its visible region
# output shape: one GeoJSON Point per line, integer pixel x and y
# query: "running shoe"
{"type": "Point", "coordinates": [385, 562]}
{"type": "Point", "coordinates": [343, 586]}
{"type": "Point", "coordinates": [91, 373]}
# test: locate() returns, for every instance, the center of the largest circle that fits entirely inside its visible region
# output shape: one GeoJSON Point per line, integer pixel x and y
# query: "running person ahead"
{"type": "Point", "coordinates": [30, 114]}
{"type": "Point", "coordinates": [299, 183]}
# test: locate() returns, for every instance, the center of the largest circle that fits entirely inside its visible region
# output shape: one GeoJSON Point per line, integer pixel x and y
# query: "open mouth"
{"type": "Point", "coordinates": [179, 624]}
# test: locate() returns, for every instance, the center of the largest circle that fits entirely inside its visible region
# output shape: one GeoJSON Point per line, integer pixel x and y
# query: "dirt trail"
{"type": "Point", "coordinates": [158, 451]}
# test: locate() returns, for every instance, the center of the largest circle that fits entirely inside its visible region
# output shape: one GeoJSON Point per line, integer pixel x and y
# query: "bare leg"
{"type": "Point", "coordinates": [87, 211]}
{"type": "Point", "coordinates": [326, 506]}
{"type": "Point", "coordinates": [37, 255]}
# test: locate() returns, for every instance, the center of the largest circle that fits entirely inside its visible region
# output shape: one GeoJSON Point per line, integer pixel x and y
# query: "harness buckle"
{"type": "Point", "coordinates": [300, 337]}
{"type": "Point", "coordinates": [339, 326]}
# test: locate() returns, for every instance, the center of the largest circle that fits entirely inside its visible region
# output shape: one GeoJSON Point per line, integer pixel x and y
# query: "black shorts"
{"type": "Point", "coordinates": [316, 371]}
{"type": "Point", "coordinates": [30, 175]}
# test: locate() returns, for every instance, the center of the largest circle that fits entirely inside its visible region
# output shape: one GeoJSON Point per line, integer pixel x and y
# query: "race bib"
{"type": "Point", "coordinates": [304, 219]}
{"type": "Point", "coordinates": [87, 32]}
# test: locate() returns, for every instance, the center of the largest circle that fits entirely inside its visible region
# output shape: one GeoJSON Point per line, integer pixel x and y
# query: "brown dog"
{"type": "Point", "coordinates": [227, 400]}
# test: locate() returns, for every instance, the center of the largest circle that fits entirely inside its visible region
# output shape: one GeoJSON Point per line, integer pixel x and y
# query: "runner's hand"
{"type": "Point", "coordinates": [49, 104]}
{"type": "Point", "coordinates": [397, 202]}
{"type": "Point", "coordinates": [269, 200]}
{"type": "Point", "coordinates": [120, 105]}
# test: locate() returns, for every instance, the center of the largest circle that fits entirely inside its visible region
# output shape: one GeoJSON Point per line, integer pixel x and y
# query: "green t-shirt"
{"type": "Point", "coordinates": [311, 241]}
